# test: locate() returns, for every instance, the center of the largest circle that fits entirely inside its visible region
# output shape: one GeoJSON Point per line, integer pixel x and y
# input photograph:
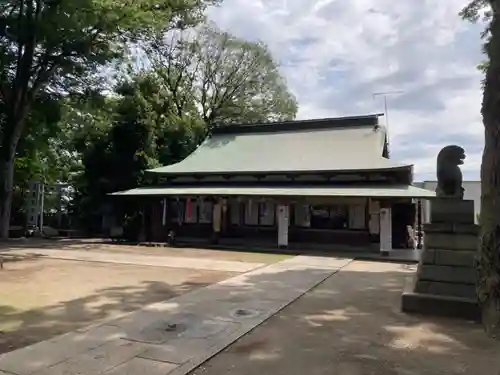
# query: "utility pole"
{"type": "Point", "coordinates": [384, 94]}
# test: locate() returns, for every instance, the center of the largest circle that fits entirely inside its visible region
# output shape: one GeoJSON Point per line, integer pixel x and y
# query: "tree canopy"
{"type": "Point", "coordinates": [76, 107]}
{"type": "Point", "coordinates": [163, 110]}
{"type": "Point", "coordinates": [52, 47]}
{"type": "Point", "coordinates": [221, 78]}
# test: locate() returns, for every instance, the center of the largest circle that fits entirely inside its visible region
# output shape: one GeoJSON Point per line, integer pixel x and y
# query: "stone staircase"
{"type": "Point", "coordinates": [444, 284]}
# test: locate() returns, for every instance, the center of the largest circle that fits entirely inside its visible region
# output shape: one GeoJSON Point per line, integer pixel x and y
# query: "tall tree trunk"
{"type": "Point", "coordinates": [12, 133]}
{"type": "Point", "coordinates": [6, 192]}
{"type": "Point", "coordinates": [488, 259]}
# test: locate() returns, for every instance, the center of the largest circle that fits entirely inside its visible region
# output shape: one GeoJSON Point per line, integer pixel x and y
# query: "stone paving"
{"type": "Point", "coordinates": [142, 260]}
{"type": "Point", "coordinates": [175, 336]}
{"type": "Point", "coordinates": [352, 324]}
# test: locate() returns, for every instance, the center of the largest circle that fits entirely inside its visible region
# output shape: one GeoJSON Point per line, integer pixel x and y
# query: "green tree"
{"type": "Point", "coordinates": [163, 111]}
{"type": "Point", "coordinates": [488, 259]}
{"type": "Point", "coordinates": [35, 156]}
{"type": "Point", "coordinates": [51, 46]}
{"type": "Point", "coordinates": [221, 78]}
{"type": "Point", "coordinates": [139, 133]}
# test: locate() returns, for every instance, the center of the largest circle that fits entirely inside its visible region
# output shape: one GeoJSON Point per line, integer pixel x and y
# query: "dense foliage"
{"type": "Point", "coordinates": [49, 48]}
{"type": "Point", "coordinates": [162, 112]}
{"type": "Point", "coordinates": [95, 92]}
{"type": "Point", "coordinates": [488, 258]}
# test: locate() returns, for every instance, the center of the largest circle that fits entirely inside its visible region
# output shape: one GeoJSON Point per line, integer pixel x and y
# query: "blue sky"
{"type": "Point", "coordinates": [336, 53]}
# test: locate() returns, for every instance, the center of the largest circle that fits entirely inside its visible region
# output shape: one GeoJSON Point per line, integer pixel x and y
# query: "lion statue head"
{"type": "Point", "coordinates": [452, 155]}
{"type": "Point", "coordinates": [449, 175]}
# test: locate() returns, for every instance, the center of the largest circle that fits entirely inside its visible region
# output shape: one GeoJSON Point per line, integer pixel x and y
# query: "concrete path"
{"type": "Point", "coordinates": [142, 260]}
{"type": "Point", "coordinates": [175, 336]}
{"type": "Point", "coordinates": [352, 324]}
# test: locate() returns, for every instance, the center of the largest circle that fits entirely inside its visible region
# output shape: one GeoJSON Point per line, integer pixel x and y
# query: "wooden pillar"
{"type": "Point", "coordinates": [419, 224]}
{"type": "Point", "coordinates": [216, 220]}
{"type": "Point", "coordinates": [374, 219]}
{"type": "Point", "coordinates": [385, 230]}
{"type": "Point", "coordinates": [224, 216]}
{"type": "Point", "coordinates": [142, 228]}
{"type": "Point", "coordinates": [164, 212]}
{"type": "Point", "coordinates": [283, 216]}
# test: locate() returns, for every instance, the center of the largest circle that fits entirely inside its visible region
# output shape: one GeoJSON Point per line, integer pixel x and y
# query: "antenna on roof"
{"type": "Point", "coordinates": [384, 94]}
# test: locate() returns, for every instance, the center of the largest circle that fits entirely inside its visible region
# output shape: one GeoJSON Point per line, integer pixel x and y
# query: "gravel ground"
{"type": "Point", "coordinates": [41, 298]}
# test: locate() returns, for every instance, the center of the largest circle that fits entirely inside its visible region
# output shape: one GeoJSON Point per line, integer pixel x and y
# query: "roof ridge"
{"type": "Point", "coordinates": [309, 124]}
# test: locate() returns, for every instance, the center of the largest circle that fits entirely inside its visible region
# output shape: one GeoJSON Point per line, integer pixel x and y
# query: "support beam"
{"type": "Point", "coordinates": [217, 220]}
{"type": "Point", "coordinates": [385, 230]}
{"type": "Point", "coordinates": [419, 227]}
{"type": "Point", "coordinates": [164, 212]}
{"type": "Point", "coordinates": [374, 217]}
{"type": "Point", "coordinates": [283, 216]}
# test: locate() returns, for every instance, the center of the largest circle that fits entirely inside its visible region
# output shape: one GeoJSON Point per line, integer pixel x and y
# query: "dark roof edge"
{"type": "Point", "coordinates": [300, 172]}
{"type": "Point", "coordinates": [322, 123]}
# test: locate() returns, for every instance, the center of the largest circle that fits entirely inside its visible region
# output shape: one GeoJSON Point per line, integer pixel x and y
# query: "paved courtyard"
{"type": "Point", "coordinates": [43, 298]}
{"type": "Point", "coordinates": [313, 315]}
{"type": "Point", "coordinates": [46, 292]}
{"type": "Point", "coordinates": [351, 324]}
{"type": "Point", "coordinates": [176, 335]}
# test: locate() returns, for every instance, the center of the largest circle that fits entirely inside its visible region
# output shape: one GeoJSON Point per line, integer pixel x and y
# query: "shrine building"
{"type": "Point", "coordinates": [325, 181]}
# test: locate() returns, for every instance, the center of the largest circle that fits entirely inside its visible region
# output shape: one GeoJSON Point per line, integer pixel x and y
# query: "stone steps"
{"type": "Point", "coordinates": [445, 281]}
{"type": "Point", "coordinates": [447, 274]}
{"type": "Point", "coordinates": [446, 289]}
{"type": "Point", "coordinates": [456, 258]}
{"type": "Point", "coordinates": [451, 241]}
{"type": "Point", "coordinates": [438, 304]}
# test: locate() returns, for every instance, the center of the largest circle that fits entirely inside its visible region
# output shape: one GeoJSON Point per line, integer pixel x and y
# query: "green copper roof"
{"type": "Point", "coordinates": [291, 191]}
{"type": "Point", "coordinates": [286, 147]}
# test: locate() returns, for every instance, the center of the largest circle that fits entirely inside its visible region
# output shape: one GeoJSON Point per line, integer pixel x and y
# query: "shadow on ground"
{"type": "Point", "coordinates": [43, 323]}
{"type": "Point", "coordinates": [51, 243]}
{"type": "Point", "coordinates": [14, 258]}
{"type": "Point", "coordinates": [352, 325]}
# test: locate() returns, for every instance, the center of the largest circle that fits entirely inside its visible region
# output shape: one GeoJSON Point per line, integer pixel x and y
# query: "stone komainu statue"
{"type": "Point", "coordinates": [449, 175]}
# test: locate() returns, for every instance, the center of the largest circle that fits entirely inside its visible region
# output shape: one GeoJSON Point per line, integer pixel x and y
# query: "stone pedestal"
{"type": "Point", "coordinates": [445, 281]}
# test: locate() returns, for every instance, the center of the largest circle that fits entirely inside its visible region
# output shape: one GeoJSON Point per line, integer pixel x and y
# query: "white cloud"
{"type": "Point", "coordinates": [337, 53]}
